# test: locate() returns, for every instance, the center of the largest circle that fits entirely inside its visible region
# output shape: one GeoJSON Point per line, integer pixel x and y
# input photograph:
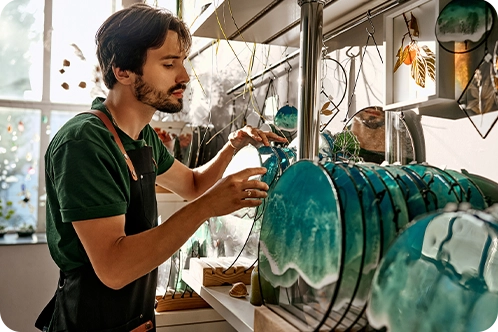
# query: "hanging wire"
{"type": "Point", "coordinates": [336, 106]}
{"type": "Point", "coordinates": [370, 34]}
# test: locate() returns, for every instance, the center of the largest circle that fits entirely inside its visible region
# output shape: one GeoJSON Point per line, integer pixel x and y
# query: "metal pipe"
{"type": "Point", "coordinates": [381, 9]}
{"type": "Point", "coordinates": [309, 84]}
{"type": "Point", "coordinates": [264, 71]}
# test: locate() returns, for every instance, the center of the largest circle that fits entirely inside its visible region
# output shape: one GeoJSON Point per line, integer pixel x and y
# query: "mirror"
{"type": "Point", "coordinates": [369, 126]}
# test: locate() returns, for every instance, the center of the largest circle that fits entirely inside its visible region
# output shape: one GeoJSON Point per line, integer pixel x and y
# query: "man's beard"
{"type": "Point", "coordinates": [160, 100]}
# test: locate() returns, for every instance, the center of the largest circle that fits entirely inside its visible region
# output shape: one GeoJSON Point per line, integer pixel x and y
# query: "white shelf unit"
{"type": "Point", "coordinates": [239, 312]}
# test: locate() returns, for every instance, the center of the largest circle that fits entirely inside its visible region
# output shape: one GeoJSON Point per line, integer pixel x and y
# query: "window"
{"type": "Point", "coordinates": [47, 66]}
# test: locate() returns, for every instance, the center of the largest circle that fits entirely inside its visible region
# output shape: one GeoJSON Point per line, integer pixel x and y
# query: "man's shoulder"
{"type": "Point", "coordinates": [81, 127]}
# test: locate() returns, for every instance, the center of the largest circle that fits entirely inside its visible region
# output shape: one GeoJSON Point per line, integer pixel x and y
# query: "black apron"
{"type": "Point", "coordinates": [83, 303]}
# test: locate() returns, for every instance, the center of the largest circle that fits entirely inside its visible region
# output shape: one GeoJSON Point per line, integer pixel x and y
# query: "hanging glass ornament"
{"type": "Point", "coordinates": [466, 23]}
{"type": "Point", "coordinates": [20, 126]}
{"type": "Point", "coordinates": [479, 98]}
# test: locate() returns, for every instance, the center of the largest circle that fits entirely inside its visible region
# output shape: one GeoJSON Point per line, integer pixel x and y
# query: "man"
{"type": "Point", "coordinates": [101, 208]}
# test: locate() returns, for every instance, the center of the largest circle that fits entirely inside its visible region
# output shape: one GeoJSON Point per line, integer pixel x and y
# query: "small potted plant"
{"type": "Point", "coordinates": [3, 230]}
{"type": "Point", "coordinates": [25, 230]}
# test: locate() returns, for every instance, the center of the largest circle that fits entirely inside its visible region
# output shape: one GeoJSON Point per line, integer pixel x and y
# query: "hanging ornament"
{"type": "Point", "coordinates": [479, 98]}
{"type": "Point", "coordinates": [9, 128]}
{"type": "Point", "coordinates": [31, 170]}
{"type": "Point", "coordinates": [20, 126]}
{"type": "Point", "coordinates": [420, 57]}
{"type": "Point", "coordinates": [286, 117]}
{"type": "Point", "coordinates": [44, 119]}
{"type": "Point", "coordinates": [464, 22]}
{"type": "Point", "coordinates": [29, 156]}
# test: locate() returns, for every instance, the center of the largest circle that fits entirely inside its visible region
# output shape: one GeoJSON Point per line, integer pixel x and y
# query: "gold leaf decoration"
{"type": "Point", "coordinates": [430, 60]}
{"type": "Point", "coordinates": [480, 94]}
{"type": "Point", "coordinates": [325, 110]}
{"type": "Point", "coordinates": [401, 55]}
{"type": "Point", "coordinates": [418, 70]}
{"type": "Point", "coordinates": [421, 59]}
{"type": "Point", "coordinates": [325, 106]}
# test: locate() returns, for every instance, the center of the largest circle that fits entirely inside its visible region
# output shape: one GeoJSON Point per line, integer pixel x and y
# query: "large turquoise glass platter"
{"type": "Point", "coordinates": [372, 229]}
{"type": "Point", "coordinates": [439, 184]}
{"type": "Point", "coordinates": [385, 205]}
{"type": "Point", "coordinates": [350, 196]}
{"type": "Point", "coordinates": [441, 274]}
{"type": "Point", "coordinates": [302, 243]}
{"type": "Point", "coordinates": [470, 191]}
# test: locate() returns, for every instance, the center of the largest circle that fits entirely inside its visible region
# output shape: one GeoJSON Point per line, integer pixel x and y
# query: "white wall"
{"type": "Point", "coordinates": [28, 280]}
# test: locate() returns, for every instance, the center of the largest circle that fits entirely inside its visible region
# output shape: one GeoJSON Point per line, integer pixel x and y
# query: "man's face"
{"type": "Point", "coordinates": [164, 77]}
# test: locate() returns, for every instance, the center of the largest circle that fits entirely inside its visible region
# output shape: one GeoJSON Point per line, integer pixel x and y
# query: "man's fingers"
{"type": "Point", "coordinates": [255, 184]}
{"type": "Point", "coordinates": [254, 193]}
{"type": "Point", "coordinates": [248, 172]}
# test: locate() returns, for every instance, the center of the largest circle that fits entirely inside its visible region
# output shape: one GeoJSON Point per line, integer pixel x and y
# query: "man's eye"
{"type": "Point", "coordinates": [168, 65]}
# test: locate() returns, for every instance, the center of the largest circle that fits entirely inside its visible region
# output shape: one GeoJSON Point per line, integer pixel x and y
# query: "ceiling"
{"type": "Point", "coordinates": [277, 22]}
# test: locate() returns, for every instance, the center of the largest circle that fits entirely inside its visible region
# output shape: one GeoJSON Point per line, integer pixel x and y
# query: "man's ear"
{"type": "Point", "coordinates": [122, 76]}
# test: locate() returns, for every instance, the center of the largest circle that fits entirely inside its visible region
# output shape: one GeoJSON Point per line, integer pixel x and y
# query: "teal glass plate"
{"type": "Point", "coordinates": [438, 183]}
{"type": "Point", "coordinates": [429, 196]}
{"type": "Point", "coordinates": [373, 231]}
{"type": "Point", "coordinates": [441, 274]}
{"type": "Point", "coordinates": [385, 205]}
{"type": "Point", "coordinates": [395, 192]}
{"type": "Point", "coordinates": [356, 238]}
{"type": "Point", "coordinates": [237, 234]}
{"type": "Point", "coordinates": [329, 139]}
{"type": "Point", "coordinates": [301, 245]}
{"type": "Point", "coordinates": [488, 187]}
{"type": "Point", "coordinates": [283, 159]}
{"type": "Point", "coordinates": [470, 190]}
{"type": "Point", "coordinates": [271, 161]}
{"type": "Point", "coordinates": [412, 194]}
{"type": "Point", "coordinates": [291, 154]}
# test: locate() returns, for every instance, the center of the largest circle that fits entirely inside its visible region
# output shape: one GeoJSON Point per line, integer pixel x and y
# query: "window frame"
{"type": "Point", "coordinates": [46, 106]}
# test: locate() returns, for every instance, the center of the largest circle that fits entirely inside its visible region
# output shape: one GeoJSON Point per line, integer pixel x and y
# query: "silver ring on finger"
{"type": "Point", "coordinates": [249, 193]}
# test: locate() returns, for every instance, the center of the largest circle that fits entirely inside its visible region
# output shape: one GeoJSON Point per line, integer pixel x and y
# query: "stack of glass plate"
{"type": "Point", "coordinates": [325, 228]}
{"type": "Point", "coordinates": [441, 274]}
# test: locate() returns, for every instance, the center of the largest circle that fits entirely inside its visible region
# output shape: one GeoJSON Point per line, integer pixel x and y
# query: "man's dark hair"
{"type": "Point", "coordinates": [124, 38]}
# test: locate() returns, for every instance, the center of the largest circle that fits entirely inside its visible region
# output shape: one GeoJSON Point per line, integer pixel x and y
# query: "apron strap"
{"type": "Point", "coordinates": [111, 128]}
{"type": "Point", "coordinates": [147, 326]}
